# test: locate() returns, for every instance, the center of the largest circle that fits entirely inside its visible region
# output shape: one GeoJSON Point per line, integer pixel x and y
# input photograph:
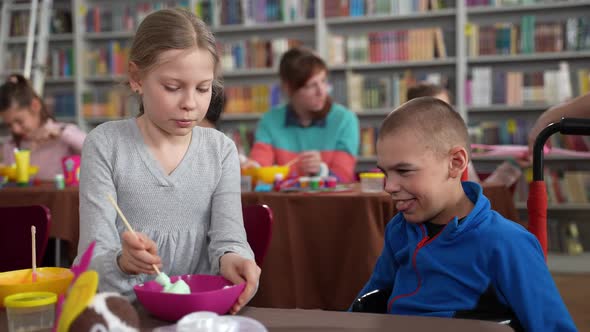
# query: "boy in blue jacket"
{"type": "Point", "coordinates": [446, 252]}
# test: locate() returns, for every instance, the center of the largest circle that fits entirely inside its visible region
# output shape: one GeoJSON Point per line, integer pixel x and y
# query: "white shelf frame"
{"type": "Point", "coordinates": [533, 57]}
{"type": "Point", "coordinates": [440, 13]}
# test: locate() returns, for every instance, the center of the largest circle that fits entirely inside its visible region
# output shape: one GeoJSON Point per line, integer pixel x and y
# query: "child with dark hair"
{"type": "Point", "coordinates": [215, 109]}
{"type": "Point", "coordinates": [446, 252]}
{"type": "Point", "coordinates": [33, 128]}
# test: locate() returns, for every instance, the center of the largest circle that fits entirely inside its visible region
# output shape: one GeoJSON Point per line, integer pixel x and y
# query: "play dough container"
{"type": "Point", "coordinates": [372, 182]}
{"type": "Point", "coordinates": [208, 293]}
{"type": "Point", "coordinates": [31, 311]}
{"type": "Point", "coordinates": [49, 279]}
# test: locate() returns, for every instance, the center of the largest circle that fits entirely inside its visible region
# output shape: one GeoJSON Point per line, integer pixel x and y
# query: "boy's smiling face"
{"type": "Point", "coordinates": [417, 177]}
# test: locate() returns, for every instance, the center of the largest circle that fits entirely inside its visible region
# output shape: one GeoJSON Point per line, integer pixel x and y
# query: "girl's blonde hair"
{"type": "Point", "coordinates": [171, 29]}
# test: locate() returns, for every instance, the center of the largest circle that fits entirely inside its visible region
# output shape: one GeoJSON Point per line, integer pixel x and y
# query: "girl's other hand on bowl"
{"type": "Point", "coordinates": [238, 269]}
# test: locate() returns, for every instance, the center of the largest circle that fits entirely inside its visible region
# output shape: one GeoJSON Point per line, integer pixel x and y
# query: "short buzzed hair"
{"type": "Point", "coordinates": [432, 120]}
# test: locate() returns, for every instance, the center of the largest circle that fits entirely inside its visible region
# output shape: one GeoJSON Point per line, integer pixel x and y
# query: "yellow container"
{"type": "Point", "coordinates": [372, 182]}
{"type": "Point", "coordinates": [30, 311]}
{"type": "Point", "coordinates": [49, 279]}
{"type": "Point", "coordinates": [251, 172]}
{"type": "Point", "coordinates": [10, 172]}
{"type": "Point", "coordinates": [22, 159]}
{"type": "Point", "coordinates": [267, 174]}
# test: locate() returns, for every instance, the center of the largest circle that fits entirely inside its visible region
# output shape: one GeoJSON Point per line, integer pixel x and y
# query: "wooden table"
{"type": "Point", "coordinates": [291, 320]}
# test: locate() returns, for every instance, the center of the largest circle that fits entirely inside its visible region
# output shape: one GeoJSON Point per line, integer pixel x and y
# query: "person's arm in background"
{"type": "Point", "coordinates": [73, 137]}
{"type": "Point", "coordinates": [346, 150]}
{"type": "Point", "coordinates": [262, 152]}
{"type": "Point", "coordinates": [8, 152]}
{"type": "Point", "coordinates": [576, 108]}
{"type": "Point", "coordinates": [472, 173]}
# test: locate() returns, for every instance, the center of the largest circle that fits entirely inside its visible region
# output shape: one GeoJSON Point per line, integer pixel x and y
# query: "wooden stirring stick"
{"type": "Point", "coordinates": [127, 224]}
{"type": "Point", "coordinates": [34, 253]}
{"type": "Point", "coordinates": [294, 160]}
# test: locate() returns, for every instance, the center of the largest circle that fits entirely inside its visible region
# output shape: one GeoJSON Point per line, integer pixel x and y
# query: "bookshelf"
{"type": "Point", "coordinates": [548, 49]}
{"type": "Point", "coordinates": [94, 83]}
{"type": "Point", "coordinates": [319, 24]}
{"type": "Point", "coordinates": [60, 73]}
{"type": "Point", "coordinates": [520, 44]}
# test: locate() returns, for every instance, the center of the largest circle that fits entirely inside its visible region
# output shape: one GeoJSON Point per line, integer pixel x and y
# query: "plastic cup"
{"type": "Point", "coordinates": [331, 182]}
{"type": "Point", "coordinates": [303, 182]}
{"type": "Point", "coordinates": [315, 183]}
{"type": "Point", "coordinates": [31, 311]}
{"type": "Point", "coordinates": [23, 163]}
{"type": "Point", "coordinates": [71, 170]}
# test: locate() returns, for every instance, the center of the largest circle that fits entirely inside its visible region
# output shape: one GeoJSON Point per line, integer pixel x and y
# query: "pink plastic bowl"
{"type": "Point", "coordinates": [207, 294]}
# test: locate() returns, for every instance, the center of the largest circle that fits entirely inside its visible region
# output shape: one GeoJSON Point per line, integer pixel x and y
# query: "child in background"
{"type": "Point", "coordinates": [177, 183]}
{"type": "Point", "coordinates": [446, 253]}
{"type": "Point", "coordinates": [323, 135]}
{"type": "Point", "coordinates": [505, 174]}
{"type": "Point", "coordinates": [215, 108]}
{"type": "Point", "coordinates": [214, 113]}
{"type": "Point", "coordinates": [33, 128]}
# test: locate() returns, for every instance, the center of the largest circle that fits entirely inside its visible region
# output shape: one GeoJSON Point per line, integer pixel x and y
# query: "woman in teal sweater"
{"type": "Point", "coordinates": [322, 135]}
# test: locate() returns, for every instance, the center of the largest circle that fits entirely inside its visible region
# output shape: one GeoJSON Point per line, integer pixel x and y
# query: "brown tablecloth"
{"type": "Point", "coordinates": [323, 249]}
{"type": "Point", "coordinates": [324, 246]}
{"type": "Point", "coordinates": [63, 205]}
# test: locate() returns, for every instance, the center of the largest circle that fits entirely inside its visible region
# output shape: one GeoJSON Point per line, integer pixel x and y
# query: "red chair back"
{"type": "Point", "coordinates": [15, 235]}
{"type": "Point", "coordinates": [258, 225]}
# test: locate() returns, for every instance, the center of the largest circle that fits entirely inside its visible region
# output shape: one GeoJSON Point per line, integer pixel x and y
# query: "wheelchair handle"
{"type": "Point", "coordinates": [566, 126]}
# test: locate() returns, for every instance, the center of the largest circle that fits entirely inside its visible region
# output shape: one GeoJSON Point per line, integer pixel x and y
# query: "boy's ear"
{"type": "Point", "coordinates": [458, 161]}
{"type": "Point", "coordinates": [134, 77]}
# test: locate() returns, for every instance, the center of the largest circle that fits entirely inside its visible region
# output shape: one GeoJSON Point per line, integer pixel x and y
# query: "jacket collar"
{"type": "Point", "coordinates": [477, 215]}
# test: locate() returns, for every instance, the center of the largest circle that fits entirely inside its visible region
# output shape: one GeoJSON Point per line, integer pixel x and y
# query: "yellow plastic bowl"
{"type": "Point", "coordinates": [49, 279]}
{"type": "Point", "coordinates": [10, 171]}
{"type": "Point", "coordinates": [267, 174]}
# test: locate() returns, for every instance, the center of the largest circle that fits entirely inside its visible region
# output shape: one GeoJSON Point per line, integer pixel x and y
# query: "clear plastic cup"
{"type": "Point", "coordinates": [30, 311]}
{"type": "Point", "coordinates": [372, 182]}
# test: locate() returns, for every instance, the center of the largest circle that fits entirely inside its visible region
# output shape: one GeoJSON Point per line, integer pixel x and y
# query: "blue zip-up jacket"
{"type": "Point", "coordinates": [449, 275]}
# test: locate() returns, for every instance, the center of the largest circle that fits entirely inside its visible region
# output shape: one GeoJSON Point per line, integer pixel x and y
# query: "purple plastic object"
{"type": "Point", "coordinates": [207, 294]}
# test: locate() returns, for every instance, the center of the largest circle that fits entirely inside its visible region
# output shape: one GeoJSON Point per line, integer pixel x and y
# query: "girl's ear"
{"type": "Point", "coordinates": [458, 161]}
{"type": "Point", "coordinates": [134, 77]}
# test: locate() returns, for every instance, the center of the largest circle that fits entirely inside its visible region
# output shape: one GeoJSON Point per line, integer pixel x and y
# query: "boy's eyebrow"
{"type": "Point", "coordinates": [396, 166]}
